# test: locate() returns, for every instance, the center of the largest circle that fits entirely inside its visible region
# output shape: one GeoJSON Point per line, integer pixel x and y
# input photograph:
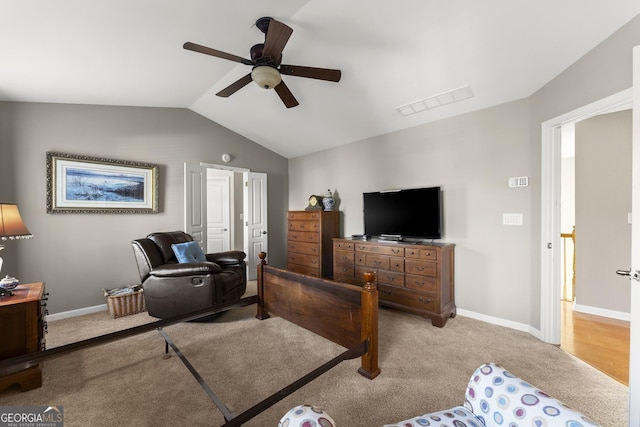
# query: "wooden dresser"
{"type": "Point", "coordinates": [22, 320]}
{"type": "Point", "coordinates": [417, 278]}
{"type": "Point", "coordinates": [309, 242]}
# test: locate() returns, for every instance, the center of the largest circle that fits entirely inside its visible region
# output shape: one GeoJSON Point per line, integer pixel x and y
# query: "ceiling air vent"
{"type": "Point", "coordinates": [435, 101]}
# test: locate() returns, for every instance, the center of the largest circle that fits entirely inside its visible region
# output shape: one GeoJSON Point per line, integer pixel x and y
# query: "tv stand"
{"type": "Point", "coordinates": [416, 277]}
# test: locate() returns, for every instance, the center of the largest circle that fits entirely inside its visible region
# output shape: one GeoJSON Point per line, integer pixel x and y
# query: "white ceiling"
{"type": "Point", "coordinates": [129, 52]}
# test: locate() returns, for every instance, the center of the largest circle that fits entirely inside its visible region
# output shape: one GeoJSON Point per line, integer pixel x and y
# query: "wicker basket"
{"type": "Point", "coordinates": [125, 305]}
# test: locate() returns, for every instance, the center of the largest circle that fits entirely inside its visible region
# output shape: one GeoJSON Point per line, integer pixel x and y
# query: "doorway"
{"type": "Point", "coordinates": [551, 274]}
{"type": "Point", "coordinates": [240, 200]}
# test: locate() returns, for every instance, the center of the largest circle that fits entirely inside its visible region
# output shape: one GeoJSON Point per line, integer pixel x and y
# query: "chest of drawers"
{"type": "Point", "coordinates": [417, 278]}
{"type": "Point", "coordinates": [309, 241]}
{"type": "Point", "coordinates": [22, 317]}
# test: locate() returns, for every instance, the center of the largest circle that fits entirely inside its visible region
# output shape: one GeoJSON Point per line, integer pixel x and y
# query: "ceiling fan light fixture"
{"type": "Point", "coordinates": [266, 76]}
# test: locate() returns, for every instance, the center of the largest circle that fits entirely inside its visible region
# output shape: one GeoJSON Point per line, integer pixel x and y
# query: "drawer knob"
{"type": "Point", "coordinates": [385, 291]}
{"type": "Point", "coordinates": [424, 300]}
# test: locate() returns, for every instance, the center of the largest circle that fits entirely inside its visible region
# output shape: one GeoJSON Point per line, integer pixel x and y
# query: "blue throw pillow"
{"type": "Point", "coordinates": [188, 252]}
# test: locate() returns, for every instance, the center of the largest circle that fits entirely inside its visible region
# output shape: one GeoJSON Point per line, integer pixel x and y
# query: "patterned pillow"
{"type": "Point", "coordinates": [497, 397]}
{"type": "Point", "coordinates": [454, 417]}
{"type": "Point", "coordinates": [306, 416]}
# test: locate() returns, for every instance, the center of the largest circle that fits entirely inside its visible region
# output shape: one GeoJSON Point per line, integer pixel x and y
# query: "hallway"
{"type": "Point", "coordinates": [599, 341]}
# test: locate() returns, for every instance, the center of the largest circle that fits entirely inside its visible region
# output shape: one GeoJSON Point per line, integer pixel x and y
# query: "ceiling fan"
{"type": "Point", "coordinates": [266, 62]}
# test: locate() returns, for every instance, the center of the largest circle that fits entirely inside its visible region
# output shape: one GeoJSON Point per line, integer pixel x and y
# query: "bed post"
{"type": "Point", "coordinates": [262, 311]}
{"type": "Point", "coordinates": [369, 366]}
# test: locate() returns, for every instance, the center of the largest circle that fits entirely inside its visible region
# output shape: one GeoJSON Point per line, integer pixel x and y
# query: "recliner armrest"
{"type": "Point", "coordinates": [227, 258]}
{"type": "Point", "coordinates": [187, 269]}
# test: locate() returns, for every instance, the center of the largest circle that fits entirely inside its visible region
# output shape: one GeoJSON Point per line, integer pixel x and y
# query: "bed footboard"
{"type": "Point", "coordinates": [340, 312]}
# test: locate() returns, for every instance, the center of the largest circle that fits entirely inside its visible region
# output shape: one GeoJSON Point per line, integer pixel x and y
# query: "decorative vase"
{"type": "Point", "coordinates": [328, 201]}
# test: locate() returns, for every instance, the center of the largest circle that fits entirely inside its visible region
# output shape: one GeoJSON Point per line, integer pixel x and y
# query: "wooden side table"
{"type": "Point", "coordinates": [22, 326]}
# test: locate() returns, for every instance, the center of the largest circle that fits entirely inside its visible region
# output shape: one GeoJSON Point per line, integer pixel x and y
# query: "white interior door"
{"type": "Point", "coordinates": [218, 213]}
{"type": "Point", "coordinates": [634, 344]}
{"type": "Point", "coordinates": [195, 202]}
{"type": "Point", "coordinates": [256, 233]}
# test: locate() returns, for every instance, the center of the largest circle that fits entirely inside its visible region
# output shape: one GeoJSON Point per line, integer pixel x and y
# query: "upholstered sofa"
{"type": "Point", "coordinates": [173, 288]}
{"type": "Point", "coordinates": [495, 397]}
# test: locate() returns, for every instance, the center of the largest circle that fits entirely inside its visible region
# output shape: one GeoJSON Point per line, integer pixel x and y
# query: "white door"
{"type": "Point", "coordinates": [195, 202]}
{"type": "Point", "coordinates": [218, 221]}
{"type": "Point", "coordinates": [634, 345]}
{"type": "Point", "coordinates": [256, 233]}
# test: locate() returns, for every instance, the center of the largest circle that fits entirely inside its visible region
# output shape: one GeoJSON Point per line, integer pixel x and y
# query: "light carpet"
{"type": "Point", "coordinates": [244, 360]}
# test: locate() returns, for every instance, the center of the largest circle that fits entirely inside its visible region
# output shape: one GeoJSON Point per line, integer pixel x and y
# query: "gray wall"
{"type": "Point", "coordinates": [77, 255]}
{"type": "Point", "coordinates": [471, 156]}
{"type": "Point", "coordinates": [603, 199]}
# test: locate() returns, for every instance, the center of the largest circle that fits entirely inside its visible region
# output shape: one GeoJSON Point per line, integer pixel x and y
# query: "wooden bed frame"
{"type": "Point", "coordinates": [342, 313]}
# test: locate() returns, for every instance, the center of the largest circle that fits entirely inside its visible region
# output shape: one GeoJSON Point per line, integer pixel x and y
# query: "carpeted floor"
{"type": "Point", "coordinates": [244, 360]}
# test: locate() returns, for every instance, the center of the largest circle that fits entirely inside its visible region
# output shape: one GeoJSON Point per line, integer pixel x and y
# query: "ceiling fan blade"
{"type": "Point", "coordinates": [235, 86]}
{"type": "Point", "coordinates": [311, 72]}
{"type": "Point", "coordinates": [218, 53]}
{"type": "Point", "coordinates": [277, 37]}
{"type": "Point", "coordinates": [285, 95]}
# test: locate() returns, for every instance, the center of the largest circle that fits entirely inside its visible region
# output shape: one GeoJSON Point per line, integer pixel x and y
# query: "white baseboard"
{"type": "Point", "coordinates": [78, 312]}
{"type": "Point", "coordinates": [619, 315]}
{"type": "Point", "coordinates": [500, 322]}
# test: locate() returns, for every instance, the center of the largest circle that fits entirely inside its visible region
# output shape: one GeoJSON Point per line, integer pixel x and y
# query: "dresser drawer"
{"type": "Point", "coordinates": [390, 277]}
{"type": "Point", "coordinates": [419, 301]}
{"type": "Point", "coordinates": [421, 283]}
{"type": "Point", "coordinates": [303, 236]}
{"type": "Point", "coordinates": [303, 247]}
{"type": "Point", "coordinates": [313, 226]}
{"type": "Point", "coordinates": [304, 259]}
{"type": "Point", "coordinates": [343, 257]}
{"type": "Point", "coordinates": [423, 268]}
{"type": "Point", "coordinates": [305, 216]}
{"type": "Point", "coordinates": [383, 250]}
{"type": "Point", "coordinates": [426, 254]}
{"type": "Point", "coordinates": [396, 264]}
{"type": "Point", "coordinates": [343, 246]}
{"type": "Point", "coordinates": [302, 269]}
{"type": "Point", "coordinates": [377, 262]}
{"type": "Point", "coordinates": [343, 270]}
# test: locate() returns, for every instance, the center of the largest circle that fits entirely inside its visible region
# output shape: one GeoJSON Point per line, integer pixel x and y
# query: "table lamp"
{"type": "Point", "coordinates": [11, 225]}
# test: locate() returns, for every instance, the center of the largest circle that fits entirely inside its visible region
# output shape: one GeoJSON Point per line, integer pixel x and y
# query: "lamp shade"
{"type": "Point", "coordinates": [11, 225]}
{"type": "Point", "coordinates": [266, 76]}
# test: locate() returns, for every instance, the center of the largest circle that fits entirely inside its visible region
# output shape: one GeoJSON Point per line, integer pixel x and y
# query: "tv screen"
{"type": "Point", "coordinates": [412, 213]}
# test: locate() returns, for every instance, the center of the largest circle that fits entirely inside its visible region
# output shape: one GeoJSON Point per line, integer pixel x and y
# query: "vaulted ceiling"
{"type": "Point", "coordinates": [129, 52]}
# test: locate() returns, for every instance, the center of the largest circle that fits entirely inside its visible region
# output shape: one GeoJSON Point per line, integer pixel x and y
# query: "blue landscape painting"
{"type": "Point", "coordinates": [95, 185]}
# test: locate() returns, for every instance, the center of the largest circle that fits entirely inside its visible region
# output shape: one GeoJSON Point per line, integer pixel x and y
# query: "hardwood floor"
{"type": "Point", "coordinates": [599, 341]}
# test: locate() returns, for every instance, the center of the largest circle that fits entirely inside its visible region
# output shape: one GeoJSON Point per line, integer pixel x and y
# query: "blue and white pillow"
{"type": "Point", "coordinates": [188, 252]}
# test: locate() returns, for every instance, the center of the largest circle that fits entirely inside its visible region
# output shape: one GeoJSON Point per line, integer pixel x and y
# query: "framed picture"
{"type": "Point", "coordinates": [83, 184]}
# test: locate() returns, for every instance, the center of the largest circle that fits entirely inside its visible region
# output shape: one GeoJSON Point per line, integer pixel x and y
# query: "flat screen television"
{"type": "Point", "coordinates": [404, 214]}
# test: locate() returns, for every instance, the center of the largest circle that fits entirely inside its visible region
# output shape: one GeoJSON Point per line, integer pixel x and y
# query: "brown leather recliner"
{"type": "Point", "coordinates": [172, 289]}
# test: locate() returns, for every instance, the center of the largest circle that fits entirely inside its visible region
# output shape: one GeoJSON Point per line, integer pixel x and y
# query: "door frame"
{"type": "Point", "coordinates": [550, 257]}
{"type": "Point", "coordinates": [246, 189]}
